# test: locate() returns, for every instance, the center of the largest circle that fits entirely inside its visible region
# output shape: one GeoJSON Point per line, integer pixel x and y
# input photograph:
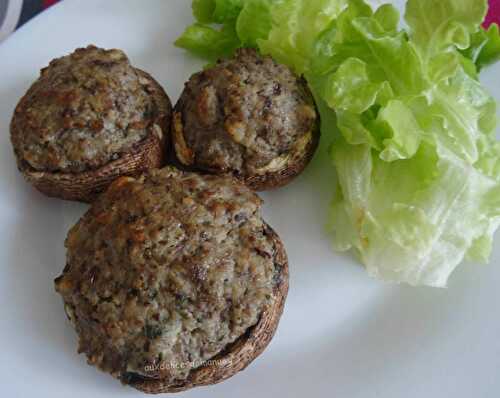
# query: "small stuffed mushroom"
{"type": "Point", "coordinates": [247, 116]}
{"type": "Point", "coordinates": [88, 119]}
{"type": "Point", "coordinates": [173, 280]}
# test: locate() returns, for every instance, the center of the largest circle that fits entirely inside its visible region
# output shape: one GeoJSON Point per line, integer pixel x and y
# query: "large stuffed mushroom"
{"type": "Point", "coordinates": [173, 280]}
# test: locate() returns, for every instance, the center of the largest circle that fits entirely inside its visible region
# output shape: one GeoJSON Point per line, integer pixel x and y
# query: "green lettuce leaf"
{"type": "Point", "coordinates": [254, 22]}
{"type": "Point", "coordinates": [209, 42]}
{"type": "Point", "coordinates": [216, 11]}
{"type": "Point", "coordinates": [203, 10]}
{"type": "Point", "coordinates": [484, 48]}
{"type": "Point", "coordinates": [227, 10]}
{"type": "Point", "coordinates": [439, 27]}
{"type": "Point", "coordinates": [297, 25]}
{"type": "Point", "coordinates": [414, 218]}
{"type": "Point", "coordinates": [224, 25]}
{"type": "Point", "coordinates": [413, 130]}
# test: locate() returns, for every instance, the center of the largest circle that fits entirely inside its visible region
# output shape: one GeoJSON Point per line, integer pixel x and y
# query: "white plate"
{"type": "Point", "coordinates": [342, 333]}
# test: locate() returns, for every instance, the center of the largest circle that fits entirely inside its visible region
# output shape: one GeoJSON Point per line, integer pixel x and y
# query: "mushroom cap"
{"type": "Point", "coordinates": [247, 116]}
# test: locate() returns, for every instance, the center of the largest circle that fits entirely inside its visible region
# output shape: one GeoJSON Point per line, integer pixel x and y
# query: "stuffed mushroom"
{"type": "Point", "coordinates": [173, 280]}
{"type": "Point", "coordinates": [88, 119]}
{"type": "Point", "coordinates": [248, 116]}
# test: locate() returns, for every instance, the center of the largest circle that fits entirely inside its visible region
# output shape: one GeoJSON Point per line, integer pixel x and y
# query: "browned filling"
{"type": "Point", "coordinates": [165, 272]}
{"type": "Point", "coordinates": [242, 115]}
{"type": "Point", "coordinates": [86, 109]}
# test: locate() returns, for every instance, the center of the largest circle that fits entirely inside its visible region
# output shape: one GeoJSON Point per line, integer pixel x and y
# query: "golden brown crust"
{"type": "Point", "coordinates": [241, 353]}
{"type": "Point", "coordinates": [85, 186]}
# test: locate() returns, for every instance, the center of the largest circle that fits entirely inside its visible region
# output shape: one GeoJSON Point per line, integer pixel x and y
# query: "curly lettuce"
{"type": "Point", "coordinates": [413, 130]}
